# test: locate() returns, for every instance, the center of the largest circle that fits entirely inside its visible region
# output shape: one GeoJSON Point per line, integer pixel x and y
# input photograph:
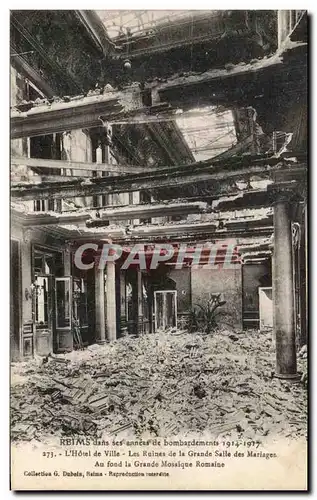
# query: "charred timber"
{"type": "Point", "coordinates": [71, 113]}
{"type": "Point", "coordinates": [240, 83]}
{"type": "Point", "coordinates": [219, 171]}
{"type": "Point", "coordinates": [89, 167]}
{"type": "Point", "coordinates": [116, 213]}
{"type": "Point", "coordinates": [244, 84]}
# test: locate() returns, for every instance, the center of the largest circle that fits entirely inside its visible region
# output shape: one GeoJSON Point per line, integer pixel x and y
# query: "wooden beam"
{"type": "Point", "coordinates": [173, 35]}
{"type": "Point", "coordinates": [183, 232]}
{"type": "Point", "coordinates": [111, 214]}
{"type": "Point", "coordinates": [73, 113]}
{"type": "Point", "coordinates": [71, 225]}
{"type": "Point", "coordinates": [77, 165]}
{"type": "Point", "coordinates": [225, 85]}
{"type": "Point", "coordinates": [205, 227]}
{"type": "Point", "coordinates": [34, 219]}
{"type": "Point", "coordinates": [119, 235]}
{"type": "Point", "coordinates": [125, 107]}
{"type": "Point", "coordinates": [19, 63]}
{"type": "Point", "coordinates": [168, 233]}
{"type": "Point", "coordinates": [187, 227]}
{"type": "Point", "coordinates": [295, 177]}
{"type": "Point", "coordinates": [190, 238]}
{"type": "Point", "coordinates": [147, 211]}
{"type": "Point", "coordinates": [239, 83]}
{"type": "Point", "coordinates": [241, 168]}
{"type": "Point", "coordinates": [246, 199]}
{"type": "Point", "coordinates": [128, 212]}
{"type": "Point", "coordinates": [97, 30]}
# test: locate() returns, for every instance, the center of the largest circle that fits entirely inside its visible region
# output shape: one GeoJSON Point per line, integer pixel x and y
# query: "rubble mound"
{"type": "Point", "coordinates": [161, 384]}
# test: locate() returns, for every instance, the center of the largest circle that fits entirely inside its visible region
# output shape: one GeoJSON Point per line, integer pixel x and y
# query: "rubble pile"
{"type": "Point", "coordinates": [161, 384]}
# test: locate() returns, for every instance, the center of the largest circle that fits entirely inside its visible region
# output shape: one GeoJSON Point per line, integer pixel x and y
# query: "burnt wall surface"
{"type": "Point", "coordinates": [57, 46]}
{"type": "Point", "coordinates": [254, 276]}
{"type": "Point", "coordinates": [220, 38]}
{"type": "Point", "coordinates": [17, 94]}
{"type": "Point", "coordinates": [205, 282]}
{"type": "Point", "coordinates": [182, 279]}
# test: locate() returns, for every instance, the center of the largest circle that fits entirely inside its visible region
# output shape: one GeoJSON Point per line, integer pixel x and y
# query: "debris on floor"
{"type": "Point", "coordinates": [161, 384]}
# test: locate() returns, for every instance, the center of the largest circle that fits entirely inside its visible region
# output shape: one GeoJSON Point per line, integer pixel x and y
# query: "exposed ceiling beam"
{"type": "Point", "coordinates": [97, 31]}
{"type": "Point", "coordinates": [170, 232]}
{"type": "Point", "coordinates": [203, 27]}
{"type": "Point", "coordinates": [88, 167]}
{"type": "Point", "coordinates": [73, 113]}
{"type": "Point", "coordinates": [229, 86]}
{"type": "Point", "coordinates": [33, 219]}
{"type": "Point", "coordinates": [81, 166]}
{"type": "Point", "coordinates": [224, 174]}
{"type": "Point", "coordinates": [236, 83]}
{"type": "Point", "coordinates": [111, 214]}
{"type": "Point", "coordinates": [128, 212]}
{"type": "Point", "coordinates": [264, 224]}
{"type": "Point", "coordinates": [76, 237]}
{"type": "Point", "coordinates": [245, 199]}
{"type": "Point", "coordinates": [165, 139]}
{"type": "Point", "coordinates": [172, 229]}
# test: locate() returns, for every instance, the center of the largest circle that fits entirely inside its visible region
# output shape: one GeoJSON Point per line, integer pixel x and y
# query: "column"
{"type": "Point", "coordinates": [100, 305]}
{"type": "Point", "coordinates": [283, 296]}
{"type": "Point", "coordinates": [99, 174]}
{"type": "Point", "coordinates": [303, 257]}
{"type": "Point", "coordinates": [27, 336]}
{"type": "Point", "coordinates": [111, 301]}
{"type": "Point", "coordinates": [140, 301]}
{"type": "Point", "coordinates": [283, 26]}
{"type": "Point", "coordinates": [123, 318]}
{"type": "Point", "coordinates": [273, 274]}
{"type": "Point", "coordinates": [67, 260]}
{"type": "Point", "coordinates": [304, 278]}
{"type": "Point", "coordinates": [306, 275]}
{"type": "Point", "coordinates": [26, 278]}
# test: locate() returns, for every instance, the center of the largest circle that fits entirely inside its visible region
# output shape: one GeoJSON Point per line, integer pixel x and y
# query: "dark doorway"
{"type": "Point", "coordinates": [15, 301]}
{"type": "Point", "coordinates": [254, 275]}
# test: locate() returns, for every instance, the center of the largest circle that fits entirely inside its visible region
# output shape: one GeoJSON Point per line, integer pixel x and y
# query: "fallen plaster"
{"type": "Point", "coordinates": [117, 374]}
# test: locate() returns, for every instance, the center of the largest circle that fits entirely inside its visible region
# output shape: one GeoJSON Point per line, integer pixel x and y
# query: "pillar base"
{"type": "Point", "coordinates": [292, 377]}
{"type": "Point", "coordinates": [101, 342]}
{"type": "Point", "coordinates": [140, 325]}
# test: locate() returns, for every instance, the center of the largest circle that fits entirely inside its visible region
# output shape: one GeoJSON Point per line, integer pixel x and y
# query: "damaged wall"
{"type": "Point", "coordinates": [76, 146]}
{"type": "Point", "coordinates": [58, 47]}
{"type": "Point", "coordinates": [17, 94]}
{"type": "Point", "coordinates": [205, 282]}
{"type": "Point", "coordinates": [254, 276]}
{"type": "Point", "coordinates": [28, 340]}
{"type": "Point", "coordinates": [182, 279]}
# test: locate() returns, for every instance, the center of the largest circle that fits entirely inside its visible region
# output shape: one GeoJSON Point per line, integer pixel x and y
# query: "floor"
{"type": "Point", "coordinates": [160, 384]}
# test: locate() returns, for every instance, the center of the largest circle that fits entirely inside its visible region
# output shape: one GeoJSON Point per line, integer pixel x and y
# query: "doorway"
{"type": "Point", "coordinates": [165, 307]}
{"type": "Point", "coordinates": [15, 301]}
{"type": "Point", "coordinates": [47, 264]}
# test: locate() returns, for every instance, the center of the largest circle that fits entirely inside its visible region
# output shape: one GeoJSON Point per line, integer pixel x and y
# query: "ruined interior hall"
{"type": "Point", "coordinates": [149, 128]}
